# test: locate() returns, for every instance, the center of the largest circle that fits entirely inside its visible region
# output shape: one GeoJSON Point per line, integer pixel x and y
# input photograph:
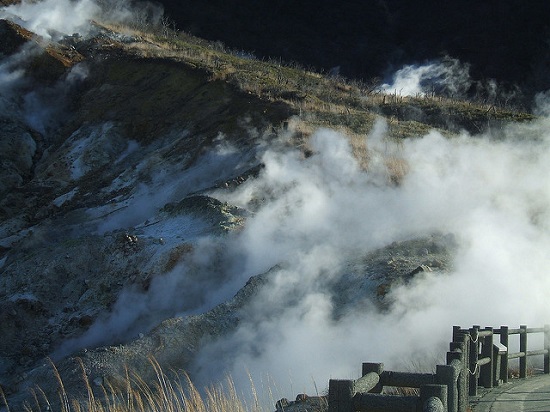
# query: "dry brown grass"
{"type": "Point", "coordinates": [321, 100]}
{"type": "Point", "coordinates": [169, 393]}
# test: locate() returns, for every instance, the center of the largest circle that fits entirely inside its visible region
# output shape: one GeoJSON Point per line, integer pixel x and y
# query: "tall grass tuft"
{"type": "Point", "coordinates": [174, 393]}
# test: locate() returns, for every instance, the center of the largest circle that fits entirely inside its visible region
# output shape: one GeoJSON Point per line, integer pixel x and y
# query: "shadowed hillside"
{"type": "Point", "coordinates": [502, 40]}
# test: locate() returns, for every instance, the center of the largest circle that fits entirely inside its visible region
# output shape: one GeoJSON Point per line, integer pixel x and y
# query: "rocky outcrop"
{"type": "Point", "coordinates": [17, 154]}
{"type": "Point", "coordinates": [172, 344]}
{"type": "Point", "coordinates": [303, 403]}
{"type": "Point", "coordinates": [109, 198]}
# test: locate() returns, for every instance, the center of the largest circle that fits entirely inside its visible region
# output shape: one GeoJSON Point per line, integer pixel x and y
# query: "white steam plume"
{"type": "Point", "coordinates": [53, 19]}
{"type": "Point", "coordinates": [449, 77]}
{"type": "Point", "coordinates": [44, 107]}
{"type": "Point", "coordinates": [491, 192]}
{"type": "Point", "coordinates": [12, 72]}
{"type": "Point", "coordinates": [49, 18]}
{"type": "Point", "coordinates": [40, 107]}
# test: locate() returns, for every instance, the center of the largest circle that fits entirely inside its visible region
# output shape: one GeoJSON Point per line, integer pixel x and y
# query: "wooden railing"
{"type": "Point", "coordinates": [475, 359]}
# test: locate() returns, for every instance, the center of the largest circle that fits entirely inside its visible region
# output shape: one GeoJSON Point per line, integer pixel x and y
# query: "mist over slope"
{"type": "Point", "coordinates": [157, 204]}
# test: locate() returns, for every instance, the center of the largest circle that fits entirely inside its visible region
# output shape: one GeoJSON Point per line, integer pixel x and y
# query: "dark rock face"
{"type": "Point", "coordinates": [388, 267]}
{"type": "Point", "coordinates": [12, 37]}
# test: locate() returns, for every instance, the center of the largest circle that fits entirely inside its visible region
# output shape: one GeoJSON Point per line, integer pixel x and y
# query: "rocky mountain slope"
{"type": "Point", "coordinates": [146, 135]}
{"type": "Point", "coordinates": [163, 197]}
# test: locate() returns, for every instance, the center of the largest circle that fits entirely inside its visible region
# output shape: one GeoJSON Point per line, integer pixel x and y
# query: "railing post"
{"type": "Point", "coordinates": [499, 353]}
{"type": "Point", "coordinates": [457, 331]}
{"type": "Point", "coordinates": [459, 350]}
{"type": "Point", "coordinates": [547, 348]}
{"type": "Point", "coordinates": [454, 374]}
{"type": "Point", "coordinates": [433, 391]}
{"type": "Point", "coordinates": [340, 395]}
{"type": "Point", "coordinates": [504, 361]}
{"type": "Point", "coordinates": [445, 376]}
{"type": "Point", "coordinates": [463, 398]}
{"type": "Point", "coordinates": [523, 348]}
{"type": "Point", "coordinates": [486, 373]}
{"type": "Point", "coordinates": [474, 356]}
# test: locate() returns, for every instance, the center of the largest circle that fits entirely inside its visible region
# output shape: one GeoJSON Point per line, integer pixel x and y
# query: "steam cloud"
{"type": "Point", "coordinates": [53, 19]}
{"type": "Point", "coordinates": [449, 77]}
{"type": "Point", "coordinates": [490, 191]}
{"type": "Point", "coordinates": [318, 214]}
{"type": "Point", "coordinates": [40, 107]}
{"type": "Point", "coordinates": [50, 18]}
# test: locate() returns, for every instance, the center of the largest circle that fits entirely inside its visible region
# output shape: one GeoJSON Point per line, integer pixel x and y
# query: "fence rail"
{"type": "Point", "coordinates": [474, 360]}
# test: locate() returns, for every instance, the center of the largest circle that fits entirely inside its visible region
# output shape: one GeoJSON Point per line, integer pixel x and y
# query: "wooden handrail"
{"type": "Point", "coordinates": [367, 382]}
{"type": "Point", "coordinates": [484, 333]}
{"type": "Point", "coordinates": [516, 355]}
{"type": "Point", "coordinates": [406, 379]}
{"type": "Point", "coordinates": [474, 359]}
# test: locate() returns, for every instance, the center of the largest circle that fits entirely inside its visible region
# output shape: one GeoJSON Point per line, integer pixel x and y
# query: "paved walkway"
{"type": "Point", "coordinates": [525, 395]}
